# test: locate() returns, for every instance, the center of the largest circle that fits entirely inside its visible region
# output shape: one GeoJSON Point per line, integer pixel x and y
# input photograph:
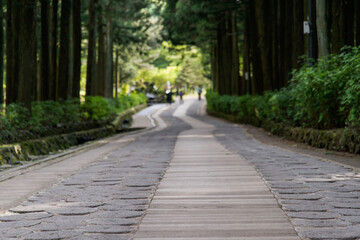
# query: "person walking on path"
{"type": "Point", "coordinates": [169, 97]}
{"type": "Point", "coordinates": [181, 94]}
{"type": "Point", "coordinates": [199, 91]}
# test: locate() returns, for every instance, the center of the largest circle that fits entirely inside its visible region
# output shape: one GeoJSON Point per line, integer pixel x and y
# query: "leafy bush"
{"type": "Point", "coordinates": [317, 92]}
{"type": "Point", "coordinates": [324, 96]}
{"type": "Point", "coordinates": [96, 108]}
{"type": "Point", "coordinates": [50, 117]}
{"type": "Point", "coordinates": [17, 115]}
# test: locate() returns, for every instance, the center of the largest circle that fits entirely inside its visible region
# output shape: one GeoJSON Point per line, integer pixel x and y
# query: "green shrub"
{"type": "Point", "coordinates": [281, 106]}
{"type": "Point", "coordinates": [71, 110]}
{"type": "Point", "coordinates": [350, 99]}
{"type": "Point", "coordinates": [317, 91]}
{"type": "Point", "coordinates": [96, 108]}
{"type": "Point", "coordinates": [324, 96]}
{"type": "Point", "coordinates": [18, 116]}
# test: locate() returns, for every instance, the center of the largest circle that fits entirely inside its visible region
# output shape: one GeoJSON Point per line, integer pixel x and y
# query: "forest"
{"type": "Point", "coordinates": [60, 50]}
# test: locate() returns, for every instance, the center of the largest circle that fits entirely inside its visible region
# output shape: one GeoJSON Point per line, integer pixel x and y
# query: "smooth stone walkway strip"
{"type": "Point", "coordinates": [209, 192]}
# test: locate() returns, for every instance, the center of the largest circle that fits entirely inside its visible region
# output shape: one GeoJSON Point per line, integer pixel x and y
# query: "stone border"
{"type": "Point", "coordinates": [12, 154]}
{"type": "Point", "coordinates": [345, 140]}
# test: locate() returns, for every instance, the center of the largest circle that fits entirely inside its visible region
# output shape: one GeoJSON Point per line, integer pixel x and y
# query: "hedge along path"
{"type": "Point", "coordinates": [20, 183]}
{"type": "Point", "coordinates": [209, 192]}
{"type": "Point", "coordinates": [13, 154]}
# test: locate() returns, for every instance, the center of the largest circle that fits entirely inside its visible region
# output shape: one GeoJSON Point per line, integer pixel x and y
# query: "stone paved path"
{"type": "Point", "coordinates": [109, 197]}
{"type": "Point", "coordinates": [105, 200]}
{"type": "Point", "coordinates": [209, 192]}
{"type": "Point", "coordinates": [322, 199]}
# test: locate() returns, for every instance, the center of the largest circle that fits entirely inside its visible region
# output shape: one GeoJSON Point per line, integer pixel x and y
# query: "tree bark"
{"type": "Point", "coordinates": [91, 71]}
{"type": "Point", "coordinates": [9, 53]}
{"type": "Point", "coordinates": [53, 51]}
{"type": "Point", "coordinates": [264, 41]}
{"type": "Point", "coordinates": [336, 39]}
{"type": "Point", "coordinates": [1, 52]}
{"type": "Point", "coordinates": [245, 80]}
{"type": "Point", "coordinates": [76, 48]}
{"type": "Point", "coordinates": [357, 23]}
{"type": "Point", "coordinates": [101, 57]}
{"type": "Point", "coordinates": [235, 78]}
{"type": "Point", "coordinates": [44, 93]}
{"type": "Point", "coordinates": [289, 24]}
{"type": "Point", "coordinates": [298, 35]}
{"type": "Point", "coordinates": [12, 50]}
{"type": "Point", "coordinates": [27, 48]}
{"type": "Point", "coordinates": [348, 25]}
{"type": "Point", "coordinates": [257, 79]}
{"type": "Point", "coordinates": [275, 44]}
{"type": "Point", "coordinates": [215, 66]}
{"type": "Point", "coordinates": [116, 72]}
{"type": "Point", "coordinates": [108, 58]}
{"type": "Point", "coordinates": [321, 23]}
{"type": "Point", "coordinates": [64, 54]}
{"type": "Point", "coordinates": [282, 67]}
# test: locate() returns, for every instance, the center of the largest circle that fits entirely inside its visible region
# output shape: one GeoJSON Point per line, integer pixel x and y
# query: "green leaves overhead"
{"type": "Point", "coordinates": [194, 21]}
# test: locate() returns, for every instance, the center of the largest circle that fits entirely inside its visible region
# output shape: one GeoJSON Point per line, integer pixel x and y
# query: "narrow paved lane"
{"type": "Point", "coordinates": [105, 200]}
{"type": "Point", "coordinates": [209, 192]}
{"type": "Point", "coordinates": [220, 184]}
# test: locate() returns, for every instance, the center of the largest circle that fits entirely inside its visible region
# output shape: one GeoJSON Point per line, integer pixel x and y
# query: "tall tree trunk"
{"type": "Point", "coordinates": [53, 51]}
{"type": "Point", "coordinates": [91, 71]}
{"type": "Point", "coordinates": [76, 48]}
{"type": "Point", "coordinates": [219, 57]}
{"type": "Point", "coordinates": [45, 55]}
{"type": "Point", "coordinates": [101, 57]}
{"type": "Point", "coordinates": [336, 38]}
{"type": "Point", "coordinates": [116, 72]}
{"type": "Point", "coordinates": [275, 44]}
{"type": "Point", "coordinates": [348, 25]}
{"type": "Point", "coordinates": [257, 79]}
{"type": "Point", "coordinates": [27, 48]}
{"type": "Point", "coordinates": [108, 59]}
{"type": "Point", "coordinates": [297, 34]}
{"type": "Point", "coordinates": [263, 8]}
{"type": "Point", "coordinates": [289, 24]}
{"type": "Point", "coordinates": [9, 53]}
{"type": "Point", "coordinates": [282, 67]}
{"type": "Point", "coordinates": [64, 54]}
{"type": "Point", "coordinates": [322, 30]}
{"type": "Point", "coordinates": [12, 50]}
{"type": "Point", "coordinates": [235, 78]}
{"type": "Point", "coordinates": [215, 66]}
{"type": "Point", "coordinates": [357, 23]}
{"type": "Point", "coordinates": [245, 80]}
{"type": "Point", "coordinates": [1, 52]}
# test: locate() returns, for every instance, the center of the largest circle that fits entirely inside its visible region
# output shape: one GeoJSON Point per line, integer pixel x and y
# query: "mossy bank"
{"type": "Point", "coordinates": [345, 139]}
{"type": "Point", "coordinates": [12, 154]}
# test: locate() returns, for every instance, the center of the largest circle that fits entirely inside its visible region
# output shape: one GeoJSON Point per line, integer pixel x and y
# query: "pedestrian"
{"type": "Point", "coordinates": [199, 90]}
{"type": "Point", "coordinates": [169, 96]}
{"type": "Point", "coordinates": [181, 94]}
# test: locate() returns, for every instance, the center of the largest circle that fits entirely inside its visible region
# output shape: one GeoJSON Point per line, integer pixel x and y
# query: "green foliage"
{"type": "Point", "coordinates": [324, 96]}
{"type": "Point", "coordinates": [50, 117]}
{"type": "Point", "coordinates": [317, 92]}
{"type": "Point", "coordinates": [17, 115]}
{"type": "Point", "coordinates": [158, 76]}
{"type": "Point", "coordinates": [96, 108]}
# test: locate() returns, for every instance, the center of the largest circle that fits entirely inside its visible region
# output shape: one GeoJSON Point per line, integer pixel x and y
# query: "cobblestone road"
{"type": "Point", "coordinates": [103, 201]}
{"type": "Point", "coordinates": [108, 199]}
{"type": "Point", "coordinates": [322, 199]}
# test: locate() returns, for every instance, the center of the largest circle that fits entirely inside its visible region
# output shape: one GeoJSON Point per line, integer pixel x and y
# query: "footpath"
{"type": "Point", "coordinates": [188, 176]}
{"type": "Point", "coordinates": [209, 192]}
